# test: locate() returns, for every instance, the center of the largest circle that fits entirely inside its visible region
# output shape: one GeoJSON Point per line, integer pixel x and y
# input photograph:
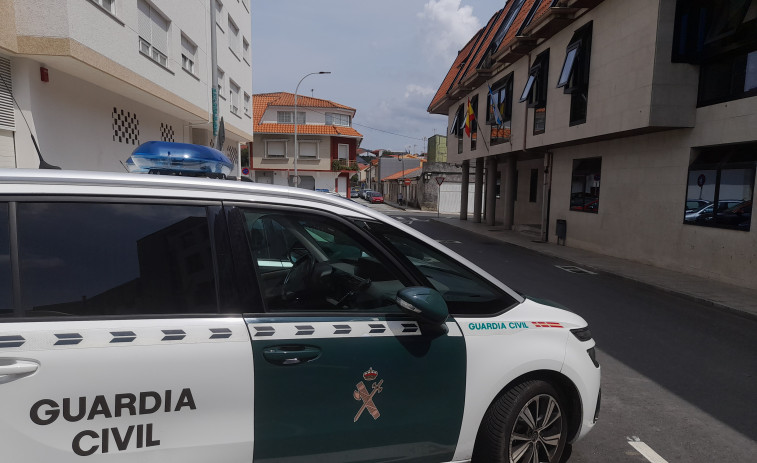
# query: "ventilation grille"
{"type": "Point", "coordinates": [231, 151]}
{"type": "Point", "coordinates": [166, 132]}
{"type": "Point", "coordinates": [7, 118]}
{"type": "Point", "coordinates": [125, 127]}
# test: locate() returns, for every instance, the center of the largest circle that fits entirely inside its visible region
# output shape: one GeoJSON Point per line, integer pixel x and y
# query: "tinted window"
{"type": "Point", "coordinates": [6, 307]}
{"type": "Point", "coordinates": [464, 291]}
{"type": "Point", "coordinates": [115, 259]}
{"type": "Point", "coordinates": [315, 263]}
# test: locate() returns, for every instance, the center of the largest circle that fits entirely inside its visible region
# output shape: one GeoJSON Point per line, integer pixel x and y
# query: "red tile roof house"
{"type": "Point", "coordinates": [327, 142]}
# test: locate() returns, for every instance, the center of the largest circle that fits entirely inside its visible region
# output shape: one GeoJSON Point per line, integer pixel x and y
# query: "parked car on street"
{"type": "Point", "coordinates": [168, 318]}
{"type": "Point", "coordinates": [374, 197]}
{"type": "Point", "coordinates": [354, 193]}
{"type": "Point", "coordinates": [364, 192]}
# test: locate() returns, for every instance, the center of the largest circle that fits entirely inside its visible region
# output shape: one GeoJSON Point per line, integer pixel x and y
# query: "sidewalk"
{"type": "Point", "coordinates": [742, 301]}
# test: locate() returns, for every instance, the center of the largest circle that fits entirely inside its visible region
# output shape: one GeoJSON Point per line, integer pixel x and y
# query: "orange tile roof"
{"type": "Point", "coordinates": [403, 173]}
{"type": "Point", "coordinates": [454, 71]}
{"type": "Point", "coordinates": [261, 102]}
{"type": "Point", "coordinates": [470, 56]}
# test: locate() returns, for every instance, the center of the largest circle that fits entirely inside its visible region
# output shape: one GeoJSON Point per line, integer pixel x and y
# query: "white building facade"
{"type": "Point", "coordinates": [93, 79]}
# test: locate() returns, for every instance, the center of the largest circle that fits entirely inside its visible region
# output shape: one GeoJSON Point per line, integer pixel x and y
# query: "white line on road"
{"type": "Point", "coordinates": [645, 450]}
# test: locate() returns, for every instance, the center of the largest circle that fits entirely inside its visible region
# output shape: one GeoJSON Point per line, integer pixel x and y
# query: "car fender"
{"type": "Point", "coordinates": [495, 359]}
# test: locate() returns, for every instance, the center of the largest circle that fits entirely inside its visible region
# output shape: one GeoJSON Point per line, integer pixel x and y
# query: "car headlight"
{"type": "Point", "coordinates": [582, 334]}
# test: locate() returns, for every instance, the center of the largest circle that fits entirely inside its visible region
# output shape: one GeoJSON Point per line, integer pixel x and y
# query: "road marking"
{"type": "Point", "coordinates": [574, 269]}
{"type": "Point", "coordinates": [645, 450]}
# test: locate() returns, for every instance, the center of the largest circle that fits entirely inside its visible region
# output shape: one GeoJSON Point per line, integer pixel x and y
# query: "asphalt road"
{"type": "Point", "coordinates": [678, 377]}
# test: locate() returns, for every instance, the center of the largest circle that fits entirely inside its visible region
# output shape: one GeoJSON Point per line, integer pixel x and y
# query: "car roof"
{"type": "Point", "coordinates": [62, 182]}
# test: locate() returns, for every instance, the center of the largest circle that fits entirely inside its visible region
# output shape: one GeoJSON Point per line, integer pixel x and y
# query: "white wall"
{"type": "Point", "coordinates": [73, 123]}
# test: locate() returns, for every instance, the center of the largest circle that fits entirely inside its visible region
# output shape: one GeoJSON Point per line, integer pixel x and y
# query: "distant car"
{"type": "Point", "coordinates": [374, 197]}
{"type": "Point", "coordinates": [706, 211]}
{"type": "Point", "coordinates": [354, 193]}
{"type": "Point", "coordinates": [364, 193]}
{"type": "Point", "coordinates": [696, 204]}
{"type": "Point", "coordinates": [737, 217]}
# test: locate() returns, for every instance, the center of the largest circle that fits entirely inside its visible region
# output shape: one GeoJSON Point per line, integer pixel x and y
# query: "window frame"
{"type": "Point", "coordinates": [720, 158]}
{"type": "Point", "coordinates": [535, 91]}
{"type": "Point", "coordinates": [592, 204]}
{"type": "Point", "coordinates": [234, 97]}
{"type": "Point", "coordinates": [277, 140]}
{"type": "Point", "coordinates": [340, 117]}
{"type": "Point", "coordinates": [306, 157]}
{"type": "Point", "coordinates": [147, 45]}
{"type": "Point", "coordinates": [504, 85]}
{"type": "Point", "coordinates": [576, 81]}
{"type": "Point", "coordinates": [407, 277]}
{"type": "Point", "coordinates": [290, 118]}
{"type": "Point", "coordinates": [189, 54]}
{"type": "Point", "coordinates": [220, 244]}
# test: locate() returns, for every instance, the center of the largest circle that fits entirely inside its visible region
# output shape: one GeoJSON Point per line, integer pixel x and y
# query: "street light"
{"type": "Point", "coordinates": [296, 148]}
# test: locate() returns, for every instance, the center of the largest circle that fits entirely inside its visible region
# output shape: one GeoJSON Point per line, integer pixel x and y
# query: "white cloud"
{"type": "Point", "coordinates": [416, 90]}
{"type": "Point", "coordinates": [447, 27]}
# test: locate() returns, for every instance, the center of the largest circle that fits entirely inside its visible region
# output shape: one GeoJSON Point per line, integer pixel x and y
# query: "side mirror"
{"type": "Point", "coordinates": [423, 303]}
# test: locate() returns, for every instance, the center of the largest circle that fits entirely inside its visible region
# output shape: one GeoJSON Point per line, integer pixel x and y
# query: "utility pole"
{"type": "Point", "coordinates": [214, 69]}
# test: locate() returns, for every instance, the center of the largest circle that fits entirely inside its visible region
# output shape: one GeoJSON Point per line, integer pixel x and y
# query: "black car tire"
{"type": "Point", "coordinates": [510, 433]}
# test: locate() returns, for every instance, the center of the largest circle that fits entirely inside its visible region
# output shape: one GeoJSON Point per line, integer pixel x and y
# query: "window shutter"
{"type": "Point", "coordinates": [7, 117]}
{"type": "Point", "coordinates": [159, 32]}
{"type": "Point", "coordinates": [144, 27]}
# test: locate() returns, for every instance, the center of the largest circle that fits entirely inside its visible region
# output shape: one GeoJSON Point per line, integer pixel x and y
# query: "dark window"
{"type": "Point", "coordinates": [115, 259]}
{"type": "Point", "coordinates": [499, 112]}
{"type": "Point", "coordinates": [533, 185]}
{"type": "Point", "coordinates": [724, 176]}
{"type": "Point", "coordinates": [465, 292]}
{"type": "Point", "coordinates": [584, 187]}
{"type": "Point", "coordinates": [458, 127]}
{"type": "Point", "coordinates": [535, 91]}
{"type": "Point", "coordinates": [6, 299]}
{"type": "Point", "coordinates": [498, 184]}
{"type": "Point", "coordinates": [314, 263]}
{"type": "Point", "coordinates": [474, 123]}
{"type": "Point", "coordinates": [574, 77]}
{"type": "Point", "coordinates": [722, 38]}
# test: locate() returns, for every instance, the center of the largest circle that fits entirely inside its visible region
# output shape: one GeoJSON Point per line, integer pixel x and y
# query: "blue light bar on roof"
{"type": "Point", "coordinates": [168, 158]}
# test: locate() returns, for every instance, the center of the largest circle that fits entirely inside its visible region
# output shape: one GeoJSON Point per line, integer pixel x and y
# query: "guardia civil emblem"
{"type": "Point", "coordinates": [367, 397]}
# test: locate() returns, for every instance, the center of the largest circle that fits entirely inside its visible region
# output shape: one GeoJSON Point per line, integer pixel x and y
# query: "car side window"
{"type": "Point", "coordinates": [93, 259]}
{"type": "Point", "coordinates": [6, 301]}
{"type": "Point", "coordinates": [465, 292]}
{"type": "Point", "coordinates": [308, 262]}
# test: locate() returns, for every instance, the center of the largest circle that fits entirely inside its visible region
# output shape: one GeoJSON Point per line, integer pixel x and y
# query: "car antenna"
{"type": "Point", "coordinates": [42, 163]}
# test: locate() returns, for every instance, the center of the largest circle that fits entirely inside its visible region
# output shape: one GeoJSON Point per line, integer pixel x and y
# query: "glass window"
{"type": "Point", "coordinates": [337, 119]}
{"type": "Point", "coordinates": [574, 77]}
{"type": "Point", "coordinates": [723, 176]}
{"type": "Point", "coordinates": [465, 292]}
{"type": "Point", "coordinates": [535, 91]}
{"type": "Point", "coordinates": [115, 259]}
{"type": "Point", "coordinates": [314, 263]}
{"type": "Point", "coordinates": [152, 28]}
{"type": "Point", "coordinates": [500, 109]}
{"type": "Point", "coordinates": [584, 188]}
{"type": "Point", "coordinates": [287, 117]}
{"type": "Point", "coordinates": [6, 298]}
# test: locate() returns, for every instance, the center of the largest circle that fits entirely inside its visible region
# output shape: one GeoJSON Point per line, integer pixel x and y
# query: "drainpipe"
{"type": "Point", "coordinates": [545, 197]}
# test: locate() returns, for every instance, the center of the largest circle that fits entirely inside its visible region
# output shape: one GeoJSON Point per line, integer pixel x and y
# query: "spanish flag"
{"type": "Point", "coordinates": [470, 118]}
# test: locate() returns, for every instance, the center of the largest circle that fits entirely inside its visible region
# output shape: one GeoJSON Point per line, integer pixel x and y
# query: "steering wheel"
{"type": "Point", "coordinates": [298, 277]}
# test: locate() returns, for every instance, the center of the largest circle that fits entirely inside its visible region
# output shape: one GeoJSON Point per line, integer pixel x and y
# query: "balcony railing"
{"type": "Point", "coordinates": [343, 164]}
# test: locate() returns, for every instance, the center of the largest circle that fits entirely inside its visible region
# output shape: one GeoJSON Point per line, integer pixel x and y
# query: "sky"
{"type": "Point", "coordinates": [387, 58]}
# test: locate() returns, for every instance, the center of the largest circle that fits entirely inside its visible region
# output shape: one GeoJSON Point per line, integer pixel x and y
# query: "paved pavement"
{"type": "Point", "coordinates": [737, 299]}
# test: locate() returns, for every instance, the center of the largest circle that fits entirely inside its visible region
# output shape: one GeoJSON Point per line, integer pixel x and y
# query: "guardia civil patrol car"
{"type": "Point", "coordinates": [154, 318]}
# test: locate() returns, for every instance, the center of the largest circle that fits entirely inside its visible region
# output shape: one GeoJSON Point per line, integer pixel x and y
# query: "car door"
{"type": "Point", "coordinates": [113, 343]}
{"type": "Point", "coordinates": [341, 374]}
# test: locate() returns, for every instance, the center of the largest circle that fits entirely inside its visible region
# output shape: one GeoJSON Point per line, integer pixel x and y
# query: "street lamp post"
{"type": "Point", "coordinates": [296, 148]}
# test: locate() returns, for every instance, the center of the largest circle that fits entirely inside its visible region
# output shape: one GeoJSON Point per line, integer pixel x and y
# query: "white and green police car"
{"type": "Point", "coordinates": [152, 318]}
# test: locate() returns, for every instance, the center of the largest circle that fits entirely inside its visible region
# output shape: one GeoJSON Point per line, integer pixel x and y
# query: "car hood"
{"type": "Point", "coordinates": [547, 311]}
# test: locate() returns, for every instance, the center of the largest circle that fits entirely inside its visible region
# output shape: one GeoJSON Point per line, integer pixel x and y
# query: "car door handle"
{"type": "Point", "coordinates": [291, 355]}
{"type": "Point", "coordinates": [17, 367]}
